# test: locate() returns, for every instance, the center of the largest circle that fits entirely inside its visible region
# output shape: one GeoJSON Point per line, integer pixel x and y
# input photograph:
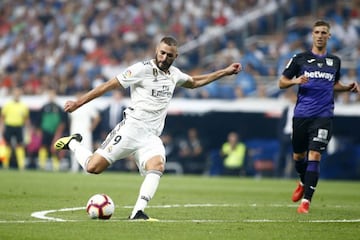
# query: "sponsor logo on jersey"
{"type": "Point", "coordinates": [319, 74]}
{"type": "Point", "coordinates": [311, 60]}
{"type": "Point", "coordinates": [164, 92]}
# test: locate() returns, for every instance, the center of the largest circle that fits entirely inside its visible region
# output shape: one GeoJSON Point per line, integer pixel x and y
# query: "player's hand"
{"type": "Point", "coordinates": [234, 68]}
{"type": "Point", "coordinates": [354, 87]}
{"type": "Point", "coordinates": [70, 106]}
{"type": "Point", "coordinates": [301, 80]}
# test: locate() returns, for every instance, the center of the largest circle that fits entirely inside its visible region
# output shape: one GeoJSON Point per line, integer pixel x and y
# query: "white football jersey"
{"type": "Point", "coordinates": [151, 91]}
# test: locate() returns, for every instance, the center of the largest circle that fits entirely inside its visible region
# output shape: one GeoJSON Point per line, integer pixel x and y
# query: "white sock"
{"type": "Point", "coordinates": [81, 153]}
{"type": "Point", "coordinates": [147, 191]}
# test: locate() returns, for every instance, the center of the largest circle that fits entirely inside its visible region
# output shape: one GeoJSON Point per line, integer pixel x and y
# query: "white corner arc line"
{"type": "Point", "coordinates": [42, 214]}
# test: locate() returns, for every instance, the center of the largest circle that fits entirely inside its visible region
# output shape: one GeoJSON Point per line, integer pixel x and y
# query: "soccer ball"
{"type": "Point", "coordinates": [100, 206]}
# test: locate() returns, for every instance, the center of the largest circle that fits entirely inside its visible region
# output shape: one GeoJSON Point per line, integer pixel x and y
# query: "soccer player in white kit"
{"type": "Point", "coordinates": [152, 84]}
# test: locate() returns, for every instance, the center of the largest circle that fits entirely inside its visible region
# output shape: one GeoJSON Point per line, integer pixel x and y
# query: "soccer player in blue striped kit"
{"type": "Point", "coordinates": [316, 73]}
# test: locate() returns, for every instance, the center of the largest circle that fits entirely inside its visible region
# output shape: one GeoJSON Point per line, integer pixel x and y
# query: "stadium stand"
{"type": "Point", "coordinates": [73, 45]}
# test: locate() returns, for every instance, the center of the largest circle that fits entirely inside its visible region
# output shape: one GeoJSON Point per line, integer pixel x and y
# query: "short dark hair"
{"type": "Point", "coordinates": [169, 41]}
{"type": "Point", "coordinates": [322, 23]}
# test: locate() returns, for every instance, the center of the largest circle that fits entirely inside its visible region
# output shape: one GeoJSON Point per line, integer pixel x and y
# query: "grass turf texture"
{"type": "Point", "coordinates": [188, 207]}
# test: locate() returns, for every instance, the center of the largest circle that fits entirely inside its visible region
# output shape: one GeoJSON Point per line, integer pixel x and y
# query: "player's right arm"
{"type": "Point", "coordinates": [98, 91]}
{"type": "Point", "coordinates": [285, 82]}
{"type": "Point", "coordinates": [291, 70]}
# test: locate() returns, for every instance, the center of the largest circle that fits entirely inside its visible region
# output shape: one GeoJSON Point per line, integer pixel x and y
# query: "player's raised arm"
{"type": "Point", "coordinates": [98, 91]}
{"type": "Point", "coordinates": [201, 80]}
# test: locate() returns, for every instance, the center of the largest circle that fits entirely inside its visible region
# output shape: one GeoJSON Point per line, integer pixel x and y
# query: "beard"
{"type": "Point", "coordinates": [163, 66]}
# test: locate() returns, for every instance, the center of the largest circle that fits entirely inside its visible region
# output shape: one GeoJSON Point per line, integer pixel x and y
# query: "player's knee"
{"type": "Point", "coordinates": [314, 155]}
{"type": "Point", "coordinates": [156, 164]}
{"type": "Point", "coordinates": [299, 156]}
{"type": "Point", "coordinates": [157, 167]}
{"type": "Point", "coordinates": [96, 167]}
{"type": "Point", "coordinates": [93, 169]}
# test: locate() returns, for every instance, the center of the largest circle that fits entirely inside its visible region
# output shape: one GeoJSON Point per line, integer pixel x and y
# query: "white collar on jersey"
{"type": "Point", "coordinates": [154, 65]}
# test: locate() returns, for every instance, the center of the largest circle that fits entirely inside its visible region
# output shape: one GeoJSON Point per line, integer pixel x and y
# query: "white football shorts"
{"type": "Point", "coordinates": [130, 137]}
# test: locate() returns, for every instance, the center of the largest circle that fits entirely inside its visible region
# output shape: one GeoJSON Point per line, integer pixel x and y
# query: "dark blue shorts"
{"type": "Point", "coordinates": [311, 134]}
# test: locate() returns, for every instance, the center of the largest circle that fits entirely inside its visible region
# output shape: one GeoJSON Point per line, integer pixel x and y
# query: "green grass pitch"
{"type": "Point", "coordinates": [188, 207]}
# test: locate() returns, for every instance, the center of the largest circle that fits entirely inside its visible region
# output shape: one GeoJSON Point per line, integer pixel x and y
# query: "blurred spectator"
{"type": "Point", "coordinates": [33, 147]}
{"type": "Point", "coordinates": [171, 153]}
{"type": "Point", "coordinates": [191, 152]}
{"type": "Point", "coordinates": [52, 125]}
{"type": "Point", "coordinates": [6, 83]}
{"type": "Point", "coordinates": [245, 83]}
{"type": "Point", "coordinates": [283, 165]}
{"type": "Point", "coordinates": [348, 97]}
{"type": "Point", "coordinates": [15, 120]}
{"type": "Point", "coordinates": [230, 52]}
{"type": "Point", "coordinates": [110, 116]}
{"type": "Point", "coordinates": [83, 121]}
{"type": "Point", "coordinates": [254, 56]}
{"type": "Point", "coordinates": [350, 35]}
{"type": "Point", "coordinates": [33, 85]}
{"type": "Point", "coordinates": [233, 152]}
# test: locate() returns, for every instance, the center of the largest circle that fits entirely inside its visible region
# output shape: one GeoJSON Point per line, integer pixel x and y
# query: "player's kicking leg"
{"type": "Point", "coordinates": [91, 163]}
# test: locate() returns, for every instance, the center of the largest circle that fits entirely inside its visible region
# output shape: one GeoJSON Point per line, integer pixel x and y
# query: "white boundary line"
{"type": "Point", "coordinates": [42, 215]}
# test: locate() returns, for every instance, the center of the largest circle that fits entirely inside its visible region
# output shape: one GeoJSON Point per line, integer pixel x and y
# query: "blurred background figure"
{"type": "Point", "coordinates": [284, 161]}
{"type": "Point", "coordinates": [233, 153]}
{"type": "Point", "coordinates": [83, 121]}
{"type": "Point", "coordinates": [348, 97]}
{"type": "Point", "coordinates": [192, 152]}
{"type": "Point", "coordinates": [33, 147]}
{"type": "Point", "coordinates": [15, 120]}
{"type": "Point", "coordinates": [110, 116]}
{"type": "Point", "coordinates": [52, 124]}
{"type": "Point", "coordinates": [171, 151]}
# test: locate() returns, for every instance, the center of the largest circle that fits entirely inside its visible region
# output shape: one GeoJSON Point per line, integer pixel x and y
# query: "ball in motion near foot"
{"type": "Point", "coordinates": [100, 206]}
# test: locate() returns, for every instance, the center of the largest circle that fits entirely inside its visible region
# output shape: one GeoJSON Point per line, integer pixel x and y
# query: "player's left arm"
{"type": "Point", "coordinates": [201, 80]}
{"type": "Point", "coordinates": [352, 87]}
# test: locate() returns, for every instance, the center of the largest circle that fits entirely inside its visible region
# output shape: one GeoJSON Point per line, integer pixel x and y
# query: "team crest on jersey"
{"type": "Point", "coordinates": [329, 61]}
{"type": "Point", "coordinates": [127, 74]}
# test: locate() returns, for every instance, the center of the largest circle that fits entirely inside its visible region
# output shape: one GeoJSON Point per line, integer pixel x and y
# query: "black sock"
{"type": "Point", "coordinates": [300, 167]}
{"type": "Point", "coordinates": [311, 178]}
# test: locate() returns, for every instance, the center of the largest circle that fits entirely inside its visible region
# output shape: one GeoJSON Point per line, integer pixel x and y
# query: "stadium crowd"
{"type": "Point", "coordinates": [72, 46]}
